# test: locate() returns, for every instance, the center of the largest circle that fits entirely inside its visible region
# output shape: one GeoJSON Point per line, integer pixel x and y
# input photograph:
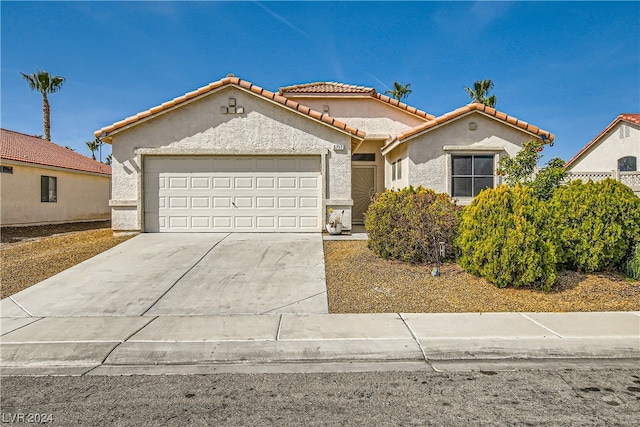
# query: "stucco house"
{"type": "Point", "coordinates": [232, 156]}
{"type": "Point", "coordinates": [44, 183]}
{"type": "Point", "coordinates": [613, 153]}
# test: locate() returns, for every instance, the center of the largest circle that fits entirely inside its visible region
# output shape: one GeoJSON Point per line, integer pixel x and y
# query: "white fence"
{"type": "Point", "coordinates": [631, 179]}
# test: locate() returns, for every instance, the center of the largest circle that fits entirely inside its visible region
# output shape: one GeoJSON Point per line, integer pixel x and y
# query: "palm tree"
{"type": "Point", "coordinates": [44, 83]}
{"type": "Point", "coordinates": [480, 91]}
{"type": "Point", "coordinates": [93, 147]}
{"type": "Point", "coordinates": [108, 159]}
{"type": "Point", "coordinates": [399, 91]}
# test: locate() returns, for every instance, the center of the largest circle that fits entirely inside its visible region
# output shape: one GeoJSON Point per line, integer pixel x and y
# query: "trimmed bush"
{"type": "Point", "coordinates": [503, 237]}
{"type": "Point", "coordinates": [597, 224]}
{"type": "Point", "coordinates": [408, 224]}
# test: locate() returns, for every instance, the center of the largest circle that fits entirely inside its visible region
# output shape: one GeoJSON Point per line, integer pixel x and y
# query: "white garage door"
{"type": "Point", "coordinates": [224, 193]}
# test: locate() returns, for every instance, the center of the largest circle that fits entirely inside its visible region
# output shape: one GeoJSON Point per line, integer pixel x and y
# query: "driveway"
{"type": "Point", "coordinates": [187, 274]}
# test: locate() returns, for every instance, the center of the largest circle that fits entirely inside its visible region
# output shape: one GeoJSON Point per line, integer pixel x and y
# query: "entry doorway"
{"type": "Point", "coordinates": [363, 188]}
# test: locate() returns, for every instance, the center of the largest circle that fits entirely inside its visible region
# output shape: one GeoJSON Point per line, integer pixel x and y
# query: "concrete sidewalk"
{"type": "Point", "coordinates": [116, 345]}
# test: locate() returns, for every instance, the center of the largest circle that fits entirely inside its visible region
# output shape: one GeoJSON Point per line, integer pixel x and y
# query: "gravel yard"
{"type": "Point", "coordinates": [359, 282]}
{"type": "Point", "coordinates": [29, 255]}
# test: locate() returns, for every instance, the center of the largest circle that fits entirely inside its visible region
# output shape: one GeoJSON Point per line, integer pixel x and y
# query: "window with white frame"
{"type": "Point", "coordinates": [470, 174]}
{"type": "Point", "coordinates": [628, 164]}
{"type": "Point", "coordinates": [48, 189]}
{"type": "Point", "coordinates": [624, 132]}
{"type": "Point", "coordinates": [396, 170]}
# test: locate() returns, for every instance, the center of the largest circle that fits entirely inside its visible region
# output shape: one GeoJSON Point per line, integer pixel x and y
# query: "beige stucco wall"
{"type": "Point", "coordinates": [199, 128]}
{"type": "Point", "coordinates": [604, 156]}
{"type": "Point", "coordinates": [81, 196]}
{"type": "Point", "coordinates": [428, 163]}
{"type": "Point", "coordinates": [367, 114]}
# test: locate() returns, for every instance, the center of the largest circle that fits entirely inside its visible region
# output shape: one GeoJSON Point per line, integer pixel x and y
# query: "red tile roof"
{"type": "Point", "coordinates": [475, 107]}
{"type": "Point", "coordinates": [629, 117]}
{"type": "Point", "coordinates": [243, 84]}
{"type": "Point", "coordinates": [333, 88]}
{"type": "Point", "coordinates": [326, 88]}
{"type": "Point", "coordinates": [31, 149]}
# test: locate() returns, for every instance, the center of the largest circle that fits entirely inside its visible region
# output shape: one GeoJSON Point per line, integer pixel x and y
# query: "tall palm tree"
{"type": "Point", "coordinates": [93, 147]}
{"type": "Point", "coordinates": [399, 91]}
{"type": "Point", "coordinates": [480, 93]}
{"type": "Point", "coordinates": [44, 83]}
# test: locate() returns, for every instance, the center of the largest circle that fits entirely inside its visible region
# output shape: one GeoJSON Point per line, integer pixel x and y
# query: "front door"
{"type": "Point", "coordinates": [363, 187]}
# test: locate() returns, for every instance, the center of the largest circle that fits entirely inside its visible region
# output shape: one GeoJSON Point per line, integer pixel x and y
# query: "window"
{"type": "Point", "coordinates": [7, 169]}
{"type": "Point", "coordinates": [471, 174]}
{"type": "Point", "coordinates": [624, 132]}
{"type": "Point", "coordinates": [48, 189]}
{"type": "Point", "coordinates": [364, 157]}
{"type": "Point", "coordinates": [396, 170]}
{"type": "Point", "coordinates": [628, 164]}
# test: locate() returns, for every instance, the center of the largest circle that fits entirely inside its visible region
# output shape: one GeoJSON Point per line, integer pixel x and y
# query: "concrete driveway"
{"type": "Point", "coordinates": [187, 274]}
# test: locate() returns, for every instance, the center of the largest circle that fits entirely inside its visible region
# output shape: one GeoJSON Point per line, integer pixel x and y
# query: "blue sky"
{"type": "Point", "coordinates": [567, 67]}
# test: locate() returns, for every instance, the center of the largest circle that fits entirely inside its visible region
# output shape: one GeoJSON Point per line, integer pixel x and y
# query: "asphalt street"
{"type": "Point", "coordinates": [530, 397]}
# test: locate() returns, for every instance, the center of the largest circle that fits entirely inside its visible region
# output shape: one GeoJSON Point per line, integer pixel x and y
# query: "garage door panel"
{"type": "Point", "coordinates": [233, 194]}
{"type": "Point", "coordinates": [200, 203]}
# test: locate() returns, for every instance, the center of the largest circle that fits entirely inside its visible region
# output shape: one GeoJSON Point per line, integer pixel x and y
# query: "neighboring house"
{"type": "Point", "coordinates": [44, 183]}
{"type": "Point", "coordinates": [613, 153]}
{"type": "Point", "coordinates": [232, 156]}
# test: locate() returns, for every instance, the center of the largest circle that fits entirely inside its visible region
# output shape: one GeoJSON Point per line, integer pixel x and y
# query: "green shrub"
{"type": "Point", "coordinates": [503, 237]}
{"type": "Point", "coordinates": [408, 225]}
{"type": "Point", "coordinates": [597, 224]}
{"type": "Point", "coordinates": [632, 266]}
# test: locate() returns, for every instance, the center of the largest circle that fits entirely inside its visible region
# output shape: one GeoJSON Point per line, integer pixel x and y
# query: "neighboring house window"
{"type": "Point", "coordinates": [364, 157]}
{"type": "Point", "coordinates": [628, 164]}
{"type": "Point", "coordinates": [48, 189]}
{"type": "Point", "coordinates": [471, 174]}
{"type": "Point", "coordinates": [7, 169]}
{"type": "Point", "coordinates": [396, 170]}
{"type": "Point", "coordinates": [624, 132]}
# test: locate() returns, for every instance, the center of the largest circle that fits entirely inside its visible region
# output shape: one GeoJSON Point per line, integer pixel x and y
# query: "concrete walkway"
{"type": "Point", "coordinates": [111, 345]}
{"type": "Point", "coordinates": [196, 304]}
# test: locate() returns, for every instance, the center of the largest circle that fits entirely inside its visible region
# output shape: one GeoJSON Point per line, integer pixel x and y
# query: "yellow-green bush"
{"type": "Point", "coordinates": [597, 224]}
{"type": "Point", "coordinates": [503, 237]}
{"type": "Point", "coordinates": [408, 224]}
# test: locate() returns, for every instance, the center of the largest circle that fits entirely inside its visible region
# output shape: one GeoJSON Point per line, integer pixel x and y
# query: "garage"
{"type": "Point", "coordinates": [232, 193]}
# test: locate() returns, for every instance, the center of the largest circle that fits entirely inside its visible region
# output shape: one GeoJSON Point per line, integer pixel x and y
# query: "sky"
{"type": "Point", "coordinates": [567, 67]}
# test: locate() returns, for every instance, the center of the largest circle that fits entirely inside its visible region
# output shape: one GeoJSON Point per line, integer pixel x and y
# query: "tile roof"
{"type": "Point", "coordinates": [475, 106]}
{"type": "Point", "coordinates": [31, 149]}
{"type": "Point", "coordinates": [326, 88]}
{"type": "Point", "coordinates": [629, 117]}
{"type": "Point", "coordinates": [333, 88]}
{"type": "Point", "coordinates": [243, 84]}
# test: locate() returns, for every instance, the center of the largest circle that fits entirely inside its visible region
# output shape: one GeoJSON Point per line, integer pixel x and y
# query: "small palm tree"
{"type": "Point", "coordinates": [108, 159]}
{"type": "Point", "coordinates": [399, 91]}
{"type": "Point", "coordinates": [93, 147]}
{"type": "Point", "coordinates": [480, 93]}
{"type": "Point", "coordinates": [44, 83]}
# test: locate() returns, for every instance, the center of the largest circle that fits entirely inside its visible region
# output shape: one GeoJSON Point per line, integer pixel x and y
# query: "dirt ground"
{"type": "Point", "coordinates": [29, 255]}
{"type": "Point", "coordinates": [360, 282]}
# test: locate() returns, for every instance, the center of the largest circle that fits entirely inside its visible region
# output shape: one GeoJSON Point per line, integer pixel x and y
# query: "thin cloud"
{"type": "Point", "coordinates": [284, 21]}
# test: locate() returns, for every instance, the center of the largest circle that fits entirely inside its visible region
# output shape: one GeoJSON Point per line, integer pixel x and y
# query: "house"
{"type": "Point", "coordinates": [232, 156]}
{"type": "Point", "coordinates": [613, 153]}
{"type": "Point", "coordinates": [44, 183]}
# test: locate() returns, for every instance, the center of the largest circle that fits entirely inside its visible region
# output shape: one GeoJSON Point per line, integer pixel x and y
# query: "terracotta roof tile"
{"type": "Point", "coordinates": [326, 87]}
{"type": "Point", "coordinates": [232, 80]}
{"type": "Point", "coordinates": [334, 88]}
{"type": "Point", "coordinates": [466, 109]}
{"type": "Point", "coordinates": [31, 149]}
{"type": "Point", "coordinates": [629, 117]}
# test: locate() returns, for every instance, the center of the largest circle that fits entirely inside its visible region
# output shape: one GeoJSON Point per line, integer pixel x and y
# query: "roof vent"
{"type": "Point", "coordinates": [230, 75]}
